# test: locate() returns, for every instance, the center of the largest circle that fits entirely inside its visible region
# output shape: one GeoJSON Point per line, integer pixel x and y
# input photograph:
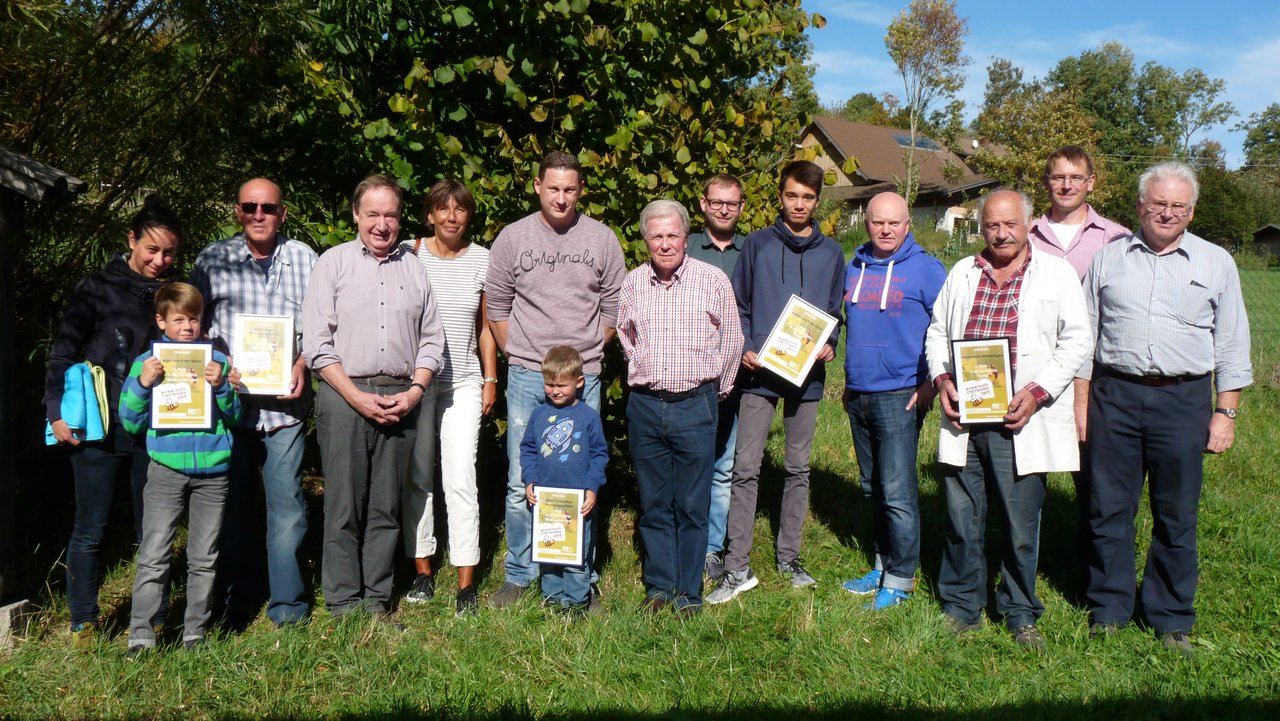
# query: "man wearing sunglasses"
{"type": "Point", "coordinates": [1172, 355]}
{"type": "Point", "coordinates": [260, 271]}
{"type": "Point", "coordinates": [720, 244]}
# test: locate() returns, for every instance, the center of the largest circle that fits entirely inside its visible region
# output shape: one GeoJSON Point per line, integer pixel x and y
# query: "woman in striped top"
{"type": "Point", "coordinates": [462, 392]}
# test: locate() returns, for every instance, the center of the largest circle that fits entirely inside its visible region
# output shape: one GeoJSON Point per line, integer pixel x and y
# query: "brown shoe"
{"type": "Point", "coordinates": [653, 605]}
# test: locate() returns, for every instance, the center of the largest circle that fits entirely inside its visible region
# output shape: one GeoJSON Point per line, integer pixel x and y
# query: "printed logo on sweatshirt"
{"type": "Point", "coordinates": [559, 438]}
{"type": "Point", "coordinates": [531, 260]}
{"type": "Point", "coordinates": [871, 291]}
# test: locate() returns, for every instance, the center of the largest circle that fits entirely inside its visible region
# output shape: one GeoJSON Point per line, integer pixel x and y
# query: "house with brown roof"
{"type": "Point", "coordinates": [946, 180]}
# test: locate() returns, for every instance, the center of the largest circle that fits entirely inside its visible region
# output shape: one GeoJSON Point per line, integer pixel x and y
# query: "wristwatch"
{"type": "Point", "coordinates": [1228, 412]}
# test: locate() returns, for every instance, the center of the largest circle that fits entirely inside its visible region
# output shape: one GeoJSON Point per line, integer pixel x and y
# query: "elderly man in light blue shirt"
{"type": "Point", "coordinates": [1172, 336]}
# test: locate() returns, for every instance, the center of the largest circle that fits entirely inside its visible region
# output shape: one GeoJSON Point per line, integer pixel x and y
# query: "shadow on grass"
{"type": "Point", "coordinates": [1140, 707]}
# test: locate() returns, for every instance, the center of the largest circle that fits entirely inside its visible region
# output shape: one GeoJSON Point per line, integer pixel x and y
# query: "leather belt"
{"type": "Point", "coordinates": [1152, 380]}
{"type": "Point", "coordinates": [669, 397]}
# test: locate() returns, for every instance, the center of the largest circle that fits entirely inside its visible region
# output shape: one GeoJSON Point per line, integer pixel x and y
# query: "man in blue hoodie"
{"type": "Point", "coordinates": [891, 285]}
{"type": "Point", "coordinates": [791, 257]}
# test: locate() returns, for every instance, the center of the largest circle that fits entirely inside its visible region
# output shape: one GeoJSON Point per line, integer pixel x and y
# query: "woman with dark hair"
{"type": "Point", "coordinates": [463, 391]}
{"type": "Point", "coordinates": [109, 322]}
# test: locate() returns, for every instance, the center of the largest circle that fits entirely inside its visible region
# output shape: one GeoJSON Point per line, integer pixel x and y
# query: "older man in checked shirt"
{"type": "Point", "coordinates": [679, 328]}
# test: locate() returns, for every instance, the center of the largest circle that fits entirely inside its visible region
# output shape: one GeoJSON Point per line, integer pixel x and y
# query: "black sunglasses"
{"type": "Point", "coordinates": [252, 208]}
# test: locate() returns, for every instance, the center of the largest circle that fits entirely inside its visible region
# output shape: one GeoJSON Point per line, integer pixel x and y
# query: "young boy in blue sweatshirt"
{"type": "Point", "coordinates": [791, 257]}
{"type": "Point", "coordinates": [184, 463]}
{"type": "Point", "coordinates": [564, 447]}
{"type": "Point", "coordinates": [892, 284]}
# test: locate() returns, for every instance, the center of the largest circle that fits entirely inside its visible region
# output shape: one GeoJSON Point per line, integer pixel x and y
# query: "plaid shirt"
{"type": "Point", "coordinates": [231, 282]}
{"type": "Point", "coordinates": [680, 335]}
{"type": "Point", "coordinates": [995, 312]}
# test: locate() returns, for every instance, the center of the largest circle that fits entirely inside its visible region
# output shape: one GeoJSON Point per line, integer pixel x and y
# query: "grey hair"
{"type": "Point", "coordinates": [1170, 170]}
{"type": "Point", "coordinates": [1027, 208]}
{"type": "Point", "coordinates": [663, 208]}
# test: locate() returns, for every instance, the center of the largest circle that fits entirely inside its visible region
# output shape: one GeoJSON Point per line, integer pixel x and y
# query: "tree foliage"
{"type": "Point", "coordinates": [926, 43]}
{"type": "Point", "coordinates": [652, 97]}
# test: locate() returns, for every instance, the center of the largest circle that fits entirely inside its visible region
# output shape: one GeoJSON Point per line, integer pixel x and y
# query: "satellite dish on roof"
{"type": "Point", "coordinates": [974, 142]}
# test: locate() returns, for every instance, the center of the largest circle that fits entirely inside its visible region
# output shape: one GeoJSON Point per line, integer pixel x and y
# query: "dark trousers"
{"type": "Point", "coordinates": [989, 475]}
{"type": "Point", "coordinates": [1159, 433]}
{"type": "Point", "coordinates": [673, 449]}
{"type": "Point", "coordinates": [364, 467]}
{"type": "Point", "coordinates": [98, 468]}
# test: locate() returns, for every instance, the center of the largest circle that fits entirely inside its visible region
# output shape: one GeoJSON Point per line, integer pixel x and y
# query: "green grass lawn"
{"type": "Point", "coordinates": [773, 653]}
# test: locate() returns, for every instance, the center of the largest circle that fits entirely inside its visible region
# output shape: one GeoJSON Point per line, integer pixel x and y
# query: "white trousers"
{"type": "Point", "coordinates": [448, 418]}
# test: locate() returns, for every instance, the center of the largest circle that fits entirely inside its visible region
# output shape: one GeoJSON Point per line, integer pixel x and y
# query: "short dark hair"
{"type": "Point", "coordinates": [559, 160]}
{"type": "Point", "coordinates": [722, 179]}
{"type": "Point", "coordinates": [376, 180]}
{"type": "Point", "coordinates": [155, 214]}
{"type": "Point", "coordinates": [804, 172]}
{"type": "Point", "coordinates": [561, 362]}
{"type": "Point", "coordinates": [1072, 154]}
{"type": "Point", "coordinates": [179, 298]}
{"type": "Point", "coordinates": [442, 191]}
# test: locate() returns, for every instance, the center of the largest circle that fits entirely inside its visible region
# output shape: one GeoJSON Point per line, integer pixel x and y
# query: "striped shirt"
{"type": "Point", "coordinates": [232, 282]}
{"type": "Point", "coordinates": [375, 317]}
{"type": "Point", "coordinates": [1093, 234]}
{"type": "Point", "coordinates": [681, 334]}
{"type": "Point", "coordinates": [1176, 314]}
{"type": "Point", "coordinates": [458, 284]}
{"type": "Point", "coordinates": [995, 312]}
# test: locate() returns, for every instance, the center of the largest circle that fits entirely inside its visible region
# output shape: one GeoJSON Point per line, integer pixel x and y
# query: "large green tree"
{"type": "Point", "coordinates": [651, 96]}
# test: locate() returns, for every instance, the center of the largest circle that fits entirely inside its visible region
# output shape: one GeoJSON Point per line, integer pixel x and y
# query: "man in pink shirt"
{"type": "Point", "coordinates": [1072, 229]}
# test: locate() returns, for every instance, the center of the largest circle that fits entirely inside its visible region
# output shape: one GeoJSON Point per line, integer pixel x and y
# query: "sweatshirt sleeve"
{"type": "Point", "coordinates": [135, 400]}
{"type": "Point", "coordinates": [529, 453]}
{"type": "Point", "coordinates": [499, 282]}
{"type": "Point", "coordinates": [599, 452]}
{"type": "Point", "coordinates": [68, 345]}
{"type": "Point", "coordinates": [835, 301]}
{"type": "Point", "coordinates": [227, 398]}
{"type": "Point", "coordinates": [742, 279]}
{"type": "Point", "coordinates": [612, 275]}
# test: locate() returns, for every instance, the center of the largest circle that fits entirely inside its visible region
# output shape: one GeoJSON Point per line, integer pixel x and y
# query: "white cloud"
{"type": "Point", "coordinates": [842, 73]}
{"type": "Point", "coordinates": [1140, 38]}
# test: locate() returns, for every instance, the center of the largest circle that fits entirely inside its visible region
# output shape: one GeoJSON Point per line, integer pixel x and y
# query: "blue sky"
{"type": "Point", "coordinates": [1238, 41]}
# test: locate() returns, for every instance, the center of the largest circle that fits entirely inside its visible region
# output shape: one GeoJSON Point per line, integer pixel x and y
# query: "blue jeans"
{"type": "Point", "coordinates": [885, 438]}
{"type": "Point", "coordinates": [570, 586]}
{"type": "Point", "coordinates": [168, 494]}
{"type": "Point", "coordinates": [722, 472]}
{"type": "Point", "coordinates": [962, 581]}
{"type": "Point", "coordinates": [279, 456]}
{"type": "Point", "coordinates": [98, 467]}
{"type": "Point", "coordinates": [672, 447]}
{"type": "Point", "coordinates": [524, 394]}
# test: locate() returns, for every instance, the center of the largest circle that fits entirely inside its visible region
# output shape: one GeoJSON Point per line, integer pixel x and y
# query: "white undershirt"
{"type": "Point", "coordinates": [1064, 233]}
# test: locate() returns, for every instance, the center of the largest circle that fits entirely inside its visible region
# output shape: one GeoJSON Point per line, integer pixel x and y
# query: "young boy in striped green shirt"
{"type": "Point", "coordinates": [187, 467]}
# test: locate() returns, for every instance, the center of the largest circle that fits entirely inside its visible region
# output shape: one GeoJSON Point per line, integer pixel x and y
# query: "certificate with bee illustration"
{"type": "Point", "coordinates": [184, 399]}
{"type": "Point", "coordinates": [793, 344]}
{"type": "Point", "coordinates": [263, 353]}
{"type": "Point", "coordinates": [557, 525]}
{"type": "Point", "coordinates": [982, 378]}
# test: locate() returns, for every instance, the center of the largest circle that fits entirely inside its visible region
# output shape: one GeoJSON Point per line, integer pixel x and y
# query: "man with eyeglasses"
{"type": "Point", "coordinates": [679, 329]}
{"type": "Point", "coordinates": [1172, 335]}
{"type": "Point", "coordinates": [1073, 230]}
{"type": "Point", "coordinates": [720, 244]}
{"type": "Point", "coordinates": [260, 271]}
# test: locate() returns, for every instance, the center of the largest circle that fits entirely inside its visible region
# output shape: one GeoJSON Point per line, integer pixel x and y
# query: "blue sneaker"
{"type": "Point", "coordinates": [866, 585]}
{"type": "Point", "coordinates": [887, 597]}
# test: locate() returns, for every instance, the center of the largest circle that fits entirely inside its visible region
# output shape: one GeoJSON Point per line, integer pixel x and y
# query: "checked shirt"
{"type": "Point", "coordinates": [995, 313]}
{"type": "Point", "coordinates": [232, 282]}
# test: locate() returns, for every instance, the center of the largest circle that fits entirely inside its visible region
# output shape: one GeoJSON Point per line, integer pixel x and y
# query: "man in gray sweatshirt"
{"type": "Point", "coordinates": [553, 279]}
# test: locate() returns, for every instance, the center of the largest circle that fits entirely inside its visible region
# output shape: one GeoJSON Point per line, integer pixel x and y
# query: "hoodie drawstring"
{"type": "Point", "coordinates": [857, 289]}
{"type": "Point", "coordinates": [884, 294]}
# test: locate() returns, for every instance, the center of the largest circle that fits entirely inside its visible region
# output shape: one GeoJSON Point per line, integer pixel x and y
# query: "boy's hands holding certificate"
{"type": "Point", "coordinates": [152, 372]}
{"type": "Point", "coordinates": [588, 499]}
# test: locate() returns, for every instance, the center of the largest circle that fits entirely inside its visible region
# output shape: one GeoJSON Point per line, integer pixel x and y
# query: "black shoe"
{"type": "Point", "coordinates": [593, 603]}
{"type": "Point", "coordinates": [1028, 636]}
{"type": "Point", "coordinates": [193, 644]}
{"type": "Point", "coordinates": [386, 619]}
{"type": "Point", "coordinates": [422, 590]}
{"type": "Point", "coordinates": [467, 602]}
{"type": "Point", "coordinates": [136, 652]}
{"type": "Point", "coordinates": [1102, 630]}
{"type": "Point", "coordinates": [1178, 641]}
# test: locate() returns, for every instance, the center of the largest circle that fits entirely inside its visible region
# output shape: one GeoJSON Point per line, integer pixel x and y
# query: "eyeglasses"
{"type": "Point", "coordinates": [1069, 179]}
{"type": "Point", "coordinates": [722, 204]}
{"type": "Point", "coordinates": [1178, 210]}
{"type": "Point", "coordinates": [671, 238]}
{"type": "Point", "coordinates": [252, 208]}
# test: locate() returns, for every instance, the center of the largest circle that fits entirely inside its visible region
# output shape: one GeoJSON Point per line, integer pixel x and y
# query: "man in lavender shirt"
{"type": "Point", "coordinates": [1073, 230]}
{"type": "Point", "coordinates": [553, 279]}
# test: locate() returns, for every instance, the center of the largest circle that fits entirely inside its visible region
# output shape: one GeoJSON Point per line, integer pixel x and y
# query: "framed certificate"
{"type": "Point", "coordinates": [982, 379]}
{"type": "Point", "coordinates": [263, 353]}
{"type": "Point", "coordinates": [557, 526]}
{"type": "Point", "coordinates": [184, 399]}
{"type": "Point", "coordinates": [793, 344]}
